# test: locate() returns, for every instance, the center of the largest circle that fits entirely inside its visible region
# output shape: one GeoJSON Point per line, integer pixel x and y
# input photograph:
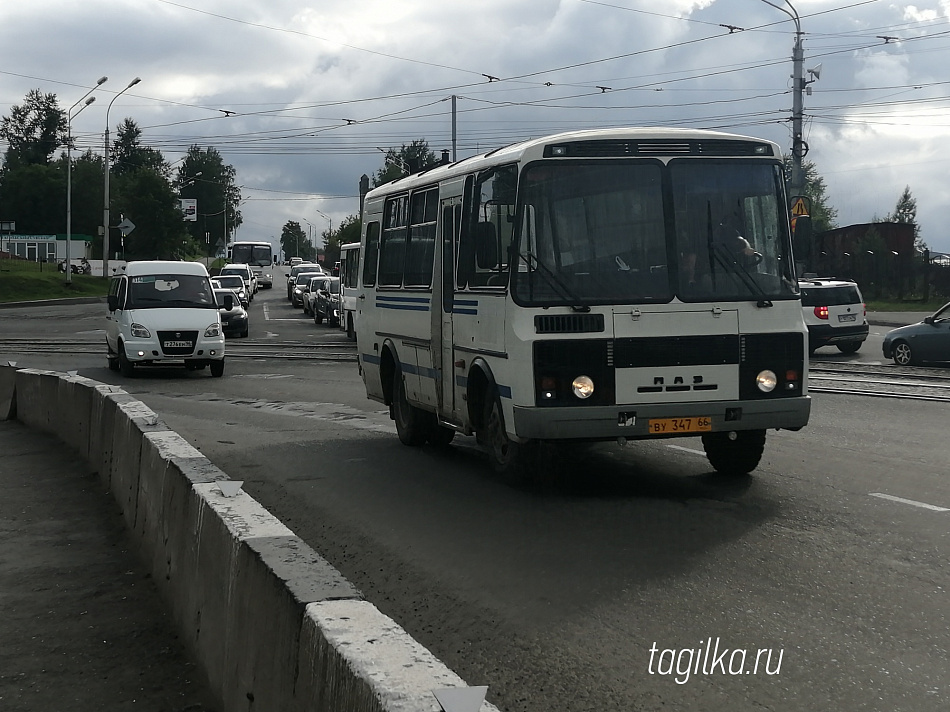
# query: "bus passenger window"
{"type": "Point", "coordinates": [372, 252]}
{"type": "Point", "coordinates": [392, 247]}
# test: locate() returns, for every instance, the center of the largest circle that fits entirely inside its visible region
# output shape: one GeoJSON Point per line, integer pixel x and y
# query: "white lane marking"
{"type": "Point", "coordinates": [266, 313]}
{"type": "Point", "coordinates": [913, 503]}
{"type": "Point", "coordinates": [687, 449]}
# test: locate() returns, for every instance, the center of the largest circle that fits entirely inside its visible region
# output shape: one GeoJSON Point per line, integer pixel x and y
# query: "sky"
{"type": "Point", "coordinates": [302, 99]}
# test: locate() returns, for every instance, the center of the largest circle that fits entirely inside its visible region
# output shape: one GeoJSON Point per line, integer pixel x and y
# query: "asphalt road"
{"type": "Point", "coordinates": [618, 582]}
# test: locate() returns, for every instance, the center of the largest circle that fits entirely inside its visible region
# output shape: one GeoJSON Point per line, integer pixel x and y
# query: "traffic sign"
{"type": "Point", "coordinates": [126, 226]}
{"type": "Point", "coordinates": [800, 206]}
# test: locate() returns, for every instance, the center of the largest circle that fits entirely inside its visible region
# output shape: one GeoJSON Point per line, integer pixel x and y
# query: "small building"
{"type": "Point", "coordinates": [47, 248]}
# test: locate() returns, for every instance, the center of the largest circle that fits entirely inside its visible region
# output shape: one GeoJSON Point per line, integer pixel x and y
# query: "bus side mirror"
{"type": "Point", "coordinates": [802, 239]}
{"type": "Point", "coordinates": [113, 302]}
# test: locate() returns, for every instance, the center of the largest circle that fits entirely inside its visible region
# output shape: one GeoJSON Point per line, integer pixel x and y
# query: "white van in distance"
{"type": "Point", "coordinates": [164, 313]}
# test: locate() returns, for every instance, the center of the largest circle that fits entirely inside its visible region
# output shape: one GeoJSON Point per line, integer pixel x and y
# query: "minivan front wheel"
{"type": "Point", "coordinates": [217, 368]}
{"type": "Point", "coordinates": [126, 367]}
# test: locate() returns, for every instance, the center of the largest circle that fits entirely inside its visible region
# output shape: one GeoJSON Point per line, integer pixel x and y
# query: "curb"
{"type": "Point", "coordinates": [268, 619]}
{"type": "Point", "coordinates": [53, 302]}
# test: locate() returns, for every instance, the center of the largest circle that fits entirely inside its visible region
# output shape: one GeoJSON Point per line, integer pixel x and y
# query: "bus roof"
{"type": "Point", "coordinates": [516, 152]}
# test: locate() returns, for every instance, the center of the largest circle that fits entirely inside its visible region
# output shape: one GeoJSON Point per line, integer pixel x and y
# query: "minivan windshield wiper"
{"type": "Point", "coordinates": [554, 281]}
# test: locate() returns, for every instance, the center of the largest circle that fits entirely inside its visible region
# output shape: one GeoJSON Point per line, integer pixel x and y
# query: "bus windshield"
{"type": "Point", "coordinates": [256, 255]}
{"type": "Point", "coordinates": [635, 231]}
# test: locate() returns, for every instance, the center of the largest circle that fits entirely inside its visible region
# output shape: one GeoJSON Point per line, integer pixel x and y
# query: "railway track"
{"type": "Point", "coordinates": [876, 380]}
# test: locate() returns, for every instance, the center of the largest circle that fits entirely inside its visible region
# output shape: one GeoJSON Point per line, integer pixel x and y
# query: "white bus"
{"type": "Point", "coordinates": [349, 283]}
{"type": "Point", "coordinates": [259, 256]}
{"type": "Point", "coordinates": [598, 285]}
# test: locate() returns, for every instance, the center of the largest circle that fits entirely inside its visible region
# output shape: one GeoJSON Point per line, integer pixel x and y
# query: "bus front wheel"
{"type": "Point", "coordinates": [735, 453]}
{"type": "Point", "coordinates": [506, 456]}
{"type": "Point", "coordinates": [411, 422]}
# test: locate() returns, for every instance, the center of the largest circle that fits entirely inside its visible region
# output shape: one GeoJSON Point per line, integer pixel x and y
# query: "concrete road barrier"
{"type": "Point", "coordinates": [7, 388]}
{"type": "Point", "coordinates": [273, 624]}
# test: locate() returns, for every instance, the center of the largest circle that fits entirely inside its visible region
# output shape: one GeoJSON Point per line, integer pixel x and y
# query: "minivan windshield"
{"type": "Point", "coordinates": [170, 290]}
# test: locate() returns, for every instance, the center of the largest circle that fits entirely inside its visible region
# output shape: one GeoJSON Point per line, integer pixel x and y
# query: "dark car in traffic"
{"type": "Point", "coordinates": [927, 341]}
{"type": "Point", "coordinates": [234, 321]}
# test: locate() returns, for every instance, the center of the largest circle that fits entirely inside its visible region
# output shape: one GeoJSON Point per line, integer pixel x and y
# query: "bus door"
{"type": "Point", "coordinates": [450, 220]}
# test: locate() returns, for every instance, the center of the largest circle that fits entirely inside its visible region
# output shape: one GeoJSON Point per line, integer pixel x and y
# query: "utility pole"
{"type": "Point", "coordinates": [799, 89]}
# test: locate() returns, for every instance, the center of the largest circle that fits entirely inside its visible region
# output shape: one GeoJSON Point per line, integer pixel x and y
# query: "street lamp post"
{"type": "Point", "coordinates": [105, 208]}
{"type": "Point", "coordinates": [329, 221]}
{"type": "Point", "coordinates": [69, 170]}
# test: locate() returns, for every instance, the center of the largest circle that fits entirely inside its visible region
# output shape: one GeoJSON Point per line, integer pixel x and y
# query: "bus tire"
{"type": "Point", "coordinates": [735, 453]}
{"type": "Point", "coordinates": [507, 457]}
{"type": "Point", "coordinates": [411, 422]}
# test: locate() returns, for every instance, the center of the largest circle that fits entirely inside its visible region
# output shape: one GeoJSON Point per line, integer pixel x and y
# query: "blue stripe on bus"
{"type": "Point", "coordinates": [465, 306]}
{"type": "Point", "coordinates": [371, 358]}
{"type": "Point", "coordinates": [419, 370]}
{"type": "Point", "coordinates": [403, 307]}
{"type": "Point", "coordinates": [417, 300]}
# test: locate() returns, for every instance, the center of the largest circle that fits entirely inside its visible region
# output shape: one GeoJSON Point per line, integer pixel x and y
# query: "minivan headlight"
{"type": "Point", "coordinates": [213, 330]}
{"type": "Point", "coordinates": [140, 332]}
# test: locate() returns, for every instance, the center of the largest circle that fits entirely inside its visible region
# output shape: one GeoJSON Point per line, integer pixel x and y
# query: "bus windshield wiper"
{"type": "Point", "coordinates": [724, 258]}
{"type": "Point", "coordinates": [554, 281]}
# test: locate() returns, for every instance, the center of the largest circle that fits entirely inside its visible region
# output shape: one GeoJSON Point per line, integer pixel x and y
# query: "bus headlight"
{"type": "Point", "coordinates": [766, 381]}
{"type": "Point", "coordinates": [583, 387]}
{"type": "Point", "coordinates": [140, 332]}
{"type": "Point", "coordinates": [212, 331]}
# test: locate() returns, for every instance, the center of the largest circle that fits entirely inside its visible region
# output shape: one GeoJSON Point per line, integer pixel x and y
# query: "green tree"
{"type": "Point", "coordinates": [34, 195]}
{"type": "Point", "coordinates": [33, 130]}
{"type": "Point", "coordinates": [348, 231]}
{"type": "Point", "coordinates": [407, 159]}
{"type": "Point", "coordinates": [204, 176]}
{"type": "Point", "coordinates": [151, 203]}
{"type": "Point", "coordinates": [293, 241]}
{"type": "Point", "coordinates": [906, 212]}
{"type": "Point", "coordinates": [129, 154]}
{"type": "Point", "coordinates": [823, 215]}
{"type": "Point", "coordinates": [87, 197]}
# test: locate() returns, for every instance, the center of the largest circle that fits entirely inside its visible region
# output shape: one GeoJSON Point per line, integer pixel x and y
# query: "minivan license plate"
{"type": "Point", "coordinates": [847, 317]}
{"type": "Point", "coordinates": [177, 344]}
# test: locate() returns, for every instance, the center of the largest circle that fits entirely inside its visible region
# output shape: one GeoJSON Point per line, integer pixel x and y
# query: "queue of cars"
{"type": "Point", "coordinates": [316, 292]}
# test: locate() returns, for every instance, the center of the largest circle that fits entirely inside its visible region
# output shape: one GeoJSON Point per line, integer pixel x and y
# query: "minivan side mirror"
{"type": "Point", "coordinates": [113, 301]}
{"type": "Point", "coordinates": [228, 302]}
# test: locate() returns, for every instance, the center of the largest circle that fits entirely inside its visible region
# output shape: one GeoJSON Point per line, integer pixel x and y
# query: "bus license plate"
{"type": "Point", "coordinates": [177, 344]}
{"type": "Point", "coordinates": [698, 424]}
{"type": "Point", "coordinates": [847, 317]}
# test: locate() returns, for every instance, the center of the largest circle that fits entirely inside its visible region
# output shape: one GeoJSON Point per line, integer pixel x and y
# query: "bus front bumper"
{"type": "Point", "coordinates": [637, 422]}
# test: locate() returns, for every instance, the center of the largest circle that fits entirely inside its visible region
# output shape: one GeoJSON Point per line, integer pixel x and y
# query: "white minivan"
{"type": "Point", "coordinates": [164, 313]}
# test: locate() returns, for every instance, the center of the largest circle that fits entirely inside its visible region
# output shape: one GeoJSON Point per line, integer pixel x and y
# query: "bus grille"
{"type": "Point", "coordinates": [676, 351]}
{"type": "Point", "coordinates": [569, 324]}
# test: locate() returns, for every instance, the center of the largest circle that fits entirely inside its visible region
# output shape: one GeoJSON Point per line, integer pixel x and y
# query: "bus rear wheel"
{"type": "Point", "coordinates": [734, 453]}
{"type": "Point", "coordinates": [412, 424]}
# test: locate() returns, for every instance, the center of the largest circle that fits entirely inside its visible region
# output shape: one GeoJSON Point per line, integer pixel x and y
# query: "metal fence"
{"type": "Point", "coordinates": [889, 276]}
